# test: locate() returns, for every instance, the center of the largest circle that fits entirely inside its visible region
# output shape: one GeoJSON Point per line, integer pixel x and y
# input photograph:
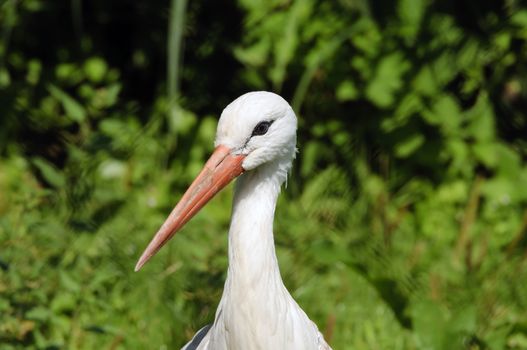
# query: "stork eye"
{"type": "Point", "coordinates": [261, 128]}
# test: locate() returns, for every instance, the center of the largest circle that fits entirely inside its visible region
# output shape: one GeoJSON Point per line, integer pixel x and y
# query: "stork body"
{"type": "Point", "coordinates": [256, 140]}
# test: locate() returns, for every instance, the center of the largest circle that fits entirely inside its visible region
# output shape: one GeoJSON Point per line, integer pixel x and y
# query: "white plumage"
{"type": "Point", "coordinates": [256, 311]}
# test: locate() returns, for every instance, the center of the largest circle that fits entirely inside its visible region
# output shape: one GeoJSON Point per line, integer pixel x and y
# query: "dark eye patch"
{"type": "Point", "coordinates": [261, 128]}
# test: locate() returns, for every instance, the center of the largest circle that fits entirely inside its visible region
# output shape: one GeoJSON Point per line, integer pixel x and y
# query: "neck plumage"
{"type": "Point", "coordinates": [256, 310]}
{"type": "Point", "coordinates": [252, 257]}
{"type": "Point", "coordinates": [254, 299]}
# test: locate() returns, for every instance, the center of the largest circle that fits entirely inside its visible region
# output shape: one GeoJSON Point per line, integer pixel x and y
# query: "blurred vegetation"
{"type": "Point", "coordinates": [404, 225]}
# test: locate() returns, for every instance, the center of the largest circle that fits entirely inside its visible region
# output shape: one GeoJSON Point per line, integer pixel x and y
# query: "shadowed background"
{"type": "Point", "coordinates": [404, 222]}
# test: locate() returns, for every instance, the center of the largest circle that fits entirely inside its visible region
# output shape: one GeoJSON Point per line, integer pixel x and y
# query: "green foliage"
{"type": "Point", "coordinates": [404, 222]}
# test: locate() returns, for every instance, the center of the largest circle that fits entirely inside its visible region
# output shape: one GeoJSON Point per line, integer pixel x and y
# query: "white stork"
{"type": "Point", "coordinates": [255, 141]}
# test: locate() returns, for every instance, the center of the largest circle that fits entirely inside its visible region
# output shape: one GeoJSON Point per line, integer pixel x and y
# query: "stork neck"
{"type": "Point", "coordinates": [256, 310]}
{"type": "Point", "coordinates": [252, 258]}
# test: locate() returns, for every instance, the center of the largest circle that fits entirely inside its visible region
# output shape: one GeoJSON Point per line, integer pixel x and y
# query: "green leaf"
{"type": "Point", "coordinates": [310, 153]}
{"type": "Point", "coordinates": [95, 69]}
{"type": "Point", "coordinates": [69, 73]}
{"type": "Point", "coordinates": [368, 39]}
{"type": "Point", "coordinates": [464, 321]}
{"type": "Point", "coordinates": [446, 113]}
{"type": "Point", "coordinates": [509, 161]}
{"type": "Point", "coordinates": [519, 18]}
{"type": "Point", "coordinates": [502, 41]}
{"type": "Point", "coordinates": [496, 339]}
{"type": "Point", "coordinates": [256, 54]}
{"type": "Point", "coordinates": [411, 13]}
{"type": "Point", "coordinates": [5, 78]}
{"type": "Point", "coordinates": [409, 105]}
{"type": "Point", "coordinates": [517, 341]}
{"type": "Point", "coordinates": [387, 80]}
{"type": "Point", "coordinates": [425, 83]}
{"type": "Point", "coordinates": [453, 192]}
{"type": "Point", "coordinates": [68, 282]}
{"type": "Point", "coordinates": [73, 109]}
{"type": "Point", "coordinates": [442, 68]}
{"type": "Point", "coordinates": [48, 171]}
{"type": "Point", "coordinates": [429, 322]}
{"type": "Point", "coordinates": [107, 97]}
{"type": "Point", "coordinates": [485, 152]}
{"type": "Point", "coordinates": [34, 68]}
{"type": "Point", "coordinates": [468, 54]}
{"type": "Point", "coordinates": [38, 313]}
{"type": "Point", "coordinates": [481, 117]}
{"type": "Point", "coordinates": [63, 302]}
{"type": "Point", "coordinates": [409, 145]}
{"type": "Point", "coordinates": [347, 91]}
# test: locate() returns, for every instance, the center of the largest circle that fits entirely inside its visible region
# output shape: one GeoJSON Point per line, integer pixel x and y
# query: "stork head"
{"type": "Point", "coordinates": [255, 129]}
{"type": "Point", "coordinates": [259, 125]}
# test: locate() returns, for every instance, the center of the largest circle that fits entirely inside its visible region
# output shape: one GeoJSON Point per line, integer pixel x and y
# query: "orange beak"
{"type": "Point", "coordinates": [221, 168]}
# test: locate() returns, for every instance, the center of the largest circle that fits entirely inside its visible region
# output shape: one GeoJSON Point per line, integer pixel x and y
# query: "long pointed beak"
{"type": "Point", "coordinates": [221, 168]}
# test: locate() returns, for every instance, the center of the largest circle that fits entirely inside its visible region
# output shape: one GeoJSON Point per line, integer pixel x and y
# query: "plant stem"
{"type": "Point", "coordinates": [174, 58]}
